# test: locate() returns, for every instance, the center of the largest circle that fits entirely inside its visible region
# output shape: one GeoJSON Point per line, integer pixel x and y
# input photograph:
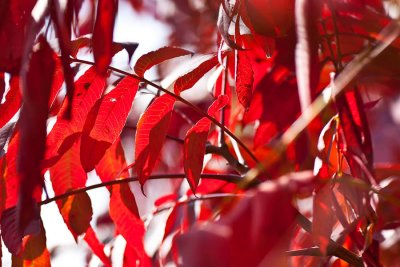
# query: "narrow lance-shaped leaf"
{"type": "Point", "coordinates": [67, 174]}
{"type": "Point", "coordinates": [103, 34]}
{"type": "Point", "coordinates": [151, 131]}
{"type": "Point", "coordinates": [153, 58]}
{"type": "Point", "coordinates": [36, 85]}
{"type": "Point", "coordinates": [244, 79]}
{"type": "Point", "coordinates": [105, 121]}
{"type": "Point", "coordinates": [123, 209]}
{"type": "Point", "coordinates": [96, 246]}
{"type": "Point", "coordinates": [195, 144]}
{"type": "Point", "coordinates": [191, 78]}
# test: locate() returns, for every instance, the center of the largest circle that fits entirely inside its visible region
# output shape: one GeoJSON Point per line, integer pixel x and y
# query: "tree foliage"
{"type": "Point", "coordinates": [289, 159]}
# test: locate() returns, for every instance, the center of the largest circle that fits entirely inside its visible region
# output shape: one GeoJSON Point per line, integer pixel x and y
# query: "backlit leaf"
{"type": "Point", "coordinates": [153, 58]}
{"type": "Point", "coordinates": [151, 131]}
{"type": "Point", "coordinates": [105, 121]}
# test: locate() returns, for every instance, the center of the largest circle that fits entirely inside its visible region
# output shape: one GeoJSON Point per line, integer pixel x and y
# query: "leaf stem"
{"type": "Point", "coordinates": [179, 98]}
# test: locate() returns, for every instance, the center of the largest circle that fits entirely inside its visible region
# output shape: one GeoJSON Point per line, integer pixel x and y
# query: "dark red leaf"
{"type": "Point", "coordinates": [153, 58]}
{"type": "Point", "coordinates": [267, 210]}
{"type": "Point", "coordinates": [137, 4]}
{"type": "Point", "coordinates": [36, 84]}
{"type": "Point", "coordinates": [103, 34]}
{"type": "Point", "coordinates": [105, 121]}
{"type": "Point", "coordinates": [151, 131]}
{"type": "Point", "coordinates": [191, 78]}
{"type": "Point", "coordinates": [244, 79]}
{"type": "Point", "coordinates": [2, 85]}
{"type": "Point", "coordinates": [96, 246]}
{"type": "Point", "coordinates": [14, 18]}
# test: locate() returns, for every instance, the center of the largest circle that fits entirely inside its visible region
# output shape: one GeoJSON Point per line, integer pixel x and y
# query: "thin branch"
{"type": "Point", "coordinates": [179, 98]}
{"type": "Point", "coordinates": [224, 152]}
{"type": "Point", "coordinates": [230, 178]}
{"type": "Point", "coordinates": [224, 83]}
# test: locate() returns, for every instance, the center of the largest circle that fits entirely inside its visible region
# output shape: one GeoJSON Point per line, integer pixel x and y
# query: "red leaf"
{"type": "Point", "coordinates": [96, 246]}
{"type": "Point", "coordinates": [105, 122]}
{"type": "Point", "coordinates": [244, 79]}
{"type": "Point", "coordinates": [123, 209]}
{"type": "Point", "coordinates": [153, 58]}
{"type": "Point", "coordinates": [36, 84]}
{"type": "Point", "coordinates": [67, 174]}
{"type": "Point", "coordinates": [88, 88]}
{"type": "Point", "coordinates": [151, 131]}
{"type": "Point", "coordinates": [2, 85]}
{"type": "Point", "coordinates": [195, 144]}
{"type": "Point", "coordinates": [12, 103]}
{"type": "Point", "coordinates": [103, 34]}
{"type": "Point", "coordinates": [191, 78]}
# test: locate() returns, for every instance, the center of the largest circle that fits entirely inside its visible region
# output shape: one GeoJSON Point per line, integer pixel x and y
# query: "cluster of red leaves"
{"type": "Point", "coordinates": [270, 61]}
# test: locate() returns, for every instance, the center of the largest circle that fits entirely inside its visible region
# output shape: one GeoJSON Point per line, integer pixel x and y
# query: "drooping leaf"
{"type": "Point", "coordinates": [12, 103]}
{"type": "Point", "coordinates": [123, 209]}
{"type": "Point", "coordinates": [189, 79]}
{"type": "Point", "coordinates": [195, 144]}
{"type": "Point", "coordinates": [67, 174]}
{"type": "Point", "coordinates": [36, 85]}
{"type": "Point", "coordinates": [244, 79]}
{"type": "Point", "coordinates": [150, 135]}
{"type": "Point", "coordinates": [103, 34]}
{"type": "Point", "coordinates": [153, 58]}
{"type": "Point", "coordinates": [96, 246]}
{"type": "Point", "coordinates": [88, 88]}
{"type": "Point", "coordinates": [105, 121]}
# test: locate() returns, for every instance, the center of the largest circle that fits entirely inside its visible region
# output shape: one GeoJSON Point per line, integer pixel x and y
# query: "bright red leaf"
{"type": "Point", "coordinates": [12, 103]}
{"type": "Point", "coordinates": [105, 121]}
{"type": "Point", "coordinates": [151, 131]}
{"type": "Point", "coordinates": [244, 79]}
{"type": "Point", "coordinates": [153, 58]}
{"type": "Point", "coordinates": [96, 246]}
{"type": "Point", "coordinates": [103, 34]}
{"type": "Point", "coordinates": [189, 79]}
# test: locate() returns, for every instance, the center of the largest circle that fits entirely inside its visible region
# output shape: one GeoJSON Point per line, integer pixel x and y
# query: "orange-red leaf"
{"type": "Point", "coordinates": [191, 78]}
{"type": "Point", "coordinates": [153, 58]}
{"type": "Point", "coordinates": [244, 79]}
{"type": "Point", "coordinates": [151, 131]}
{"type": "Point", "coordinates": [105, 122]}
{"type": "Point", "coordinates": [103, 34]}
